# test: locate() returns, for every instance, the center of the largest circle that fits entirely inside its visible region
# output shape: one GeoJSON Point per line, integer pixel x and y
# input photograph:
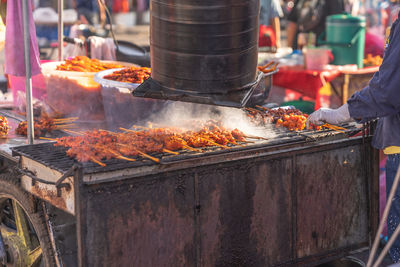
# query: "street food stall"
{"type": "Point", "coordinates": [223, 182]}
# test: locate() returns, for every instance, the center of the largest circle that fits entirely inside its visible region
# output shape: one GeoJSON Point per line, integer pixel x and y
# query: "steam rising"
{"type": "Point", "coordinates": [182, 115]}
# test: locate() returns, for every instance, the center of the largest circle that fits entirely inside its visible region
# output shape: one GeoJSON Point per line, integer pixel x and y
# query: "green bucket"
{"type": "Point", "coordinates": [345, 35]}
{"type": "Point", "coordinates": [304, 106]}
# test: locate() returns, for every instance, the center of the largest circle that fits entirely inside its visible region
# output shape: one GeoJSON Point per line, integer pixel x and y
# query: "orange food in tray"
{"type": "Point", "coordinates": [130, 75]}
{"type": "Point", "coordinates": [85, 64]}
{"type": "Point", "coordinates": [4, 127]}
{"type": "Point", "coordinates": [371, 60]}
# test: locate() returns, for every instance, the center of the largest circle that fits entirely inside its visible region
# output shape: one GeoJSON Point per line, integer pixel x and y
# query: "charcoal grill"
{"type": "Point", "coordinates": [56, 158]}
{"type": "Point", "coordinates": [238, 206]}
{"type": "Point", "coordinates": [299, 199]}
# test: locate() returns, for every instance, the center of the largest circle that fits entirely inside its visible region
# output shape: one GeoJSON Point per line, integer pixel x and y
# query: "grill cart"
{"type": "Point", "coordinates": [295, 199]}
{"type": "Point", "coordinates": [299, 198]}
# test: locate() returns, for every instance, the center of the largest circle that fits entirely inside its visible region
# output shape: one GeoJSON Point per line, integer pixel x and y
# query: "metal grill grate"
{"type": "Point", "coordinates": [56, 157]}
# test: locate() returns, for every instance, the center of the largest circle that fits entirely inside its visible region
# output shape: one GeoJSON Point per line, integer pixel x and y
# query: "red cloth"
{"type": "Point", "coordinates": [267, 36]}
{"type": "Point", "coordinates": [120, 6]}
{"type": "Point", "coordinates": [307, 82]}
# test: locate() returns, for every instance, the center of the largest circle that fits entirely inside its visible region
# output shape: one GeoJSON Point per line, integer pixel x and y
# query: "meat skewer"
{"type": "Point", "coordinates": [102, 144]}
{"type": "Point", "coordinates": [141, 153]}
{"type": "Point", "coordinates": [73, 132]}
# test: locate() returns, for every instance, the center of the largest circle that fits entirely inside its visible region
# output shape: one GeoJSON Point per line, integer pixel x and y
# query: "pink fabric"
{"type": "Point", "coordinates": [14, 46]}
{"type": "Point", "coordinates": [374, 45]}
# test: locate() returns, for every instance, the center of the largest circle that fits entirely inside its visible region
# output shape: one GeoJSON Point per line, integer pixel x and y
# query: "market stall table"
{"type": "Point", "coordinates": [349, 75]}
{"type": "Point", "coordinates": [309, 82]}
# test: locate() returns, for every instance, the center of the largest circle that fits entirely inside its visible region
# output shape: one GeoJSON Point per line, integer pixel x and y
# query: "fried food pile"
{"type": "Point", "coordinates": [292, 119]}
{"type": "Point", "coordinates": [4, 127]}
{"type": "Point", "coordinates": [130, 75]}
{"type": "Point", "coordinates": [371, 60]}
{"type": "Point", "coordinates": [85, 64]}
{"type": "Point", "coordinates": [97, 145]}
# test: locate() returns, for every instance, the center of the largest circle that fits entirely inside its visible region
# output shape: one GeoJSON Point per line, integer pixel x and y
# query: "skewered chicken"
{"type": "Point", "coordinates": [97, 145]}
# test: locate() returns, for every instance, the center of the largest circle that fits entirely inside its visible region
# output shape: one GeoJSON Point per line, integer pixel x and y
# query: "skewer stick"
{"type": "Point", "coordinates": [254, 110]}
{"type": "Point", "coordinates": [127, 130]}
{"type": "Point", "coordinates": [68, 118]}
{"type": "Point", "coordinates": [255, 137]}
{"type": "Point", "coordinates": [214, 143]}
{"type": "Point", "coordinates": [119, 156]}
{"type": "Point", "coordinates": [64, 128]}
{"type": "Point", "coordinates": [147, 155]}
{"type": "Point", "coordinates": [101, 130]}
{"type": "Point", "coordinates": [140, 127]}
{"type": "Point", "coordinates": [73, 132]}
{"type": "Point", "coordinates": [266, 65]}
{"type": "Point", "coordinates": [265, 109]}
{"type": "Point", "coordinates": [333, 128]}
{"type": "Point", "coordinates": [66, 125]}
{"type": "Point", "coordinates": [248, 142]}
{"type": "Point", "coordinates": [50, 139]}
{"type": "Point", "coordinates": [191, 148]}
{"type": "Point", "coordinates": [97, 161]}
{"type": "Point", "coordinates": [170, 151]}
{"type": "Point", "coordinates": [141, 153]}
{"type": "Point", "coordinates": [273, 68]}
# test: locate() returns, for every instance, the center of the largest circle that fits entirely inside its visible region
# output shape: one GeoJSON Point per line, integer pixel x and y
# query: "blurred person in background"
{"type": "Point", "coordinates": [141, 7]}
{"type": "Point", "coordinates": [89, 9]}
{"type": "Point", "coordinates": [374, 37]}
{"type": "Point", "coordinates": [270, 27]}
{"type": "Point", "coordinates": [310, 16]}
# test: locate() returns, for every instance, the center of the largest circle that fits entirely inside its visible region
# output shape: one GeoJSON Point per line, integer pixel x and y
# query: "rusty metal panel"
{"type": "Point", "coordinates": [48, 192]}
{"type": "Point", "coordinates": [245, 213]}
{"type": "Point", "coordinates": [268, 207]}
{"type": "Point", "coordinates": [141, 222]}
{"type": "Point", "coordinates": [332, 201]}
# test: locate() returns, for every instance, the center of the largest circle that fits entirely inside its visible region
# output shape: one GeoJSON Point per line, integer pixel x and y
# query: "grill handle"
{"type": "Point", "coordinates": [59, 184]}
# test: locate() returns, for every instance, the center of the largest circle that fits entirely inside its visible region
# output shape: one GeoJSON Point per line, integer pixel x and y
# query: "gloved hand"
{"type": "Point", "coordinates": [331, 116]}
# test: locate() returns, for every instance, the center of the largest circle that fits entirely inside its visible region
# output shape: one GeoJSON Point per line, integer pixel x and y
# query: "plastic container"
{"type": "Point", "coordinates": [345, 34]}
{"type": "Point", "coordinates": [121, 108]}
{"type": "Point", "coordinates": [74, 93]}
{"type": "Point", "coordinates": [317, 58]}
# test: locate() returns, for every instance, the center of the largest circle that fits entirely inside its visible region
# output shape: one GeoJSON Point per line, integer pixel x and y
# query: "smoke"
{"type": "Point", "coordinates": [190, 116]}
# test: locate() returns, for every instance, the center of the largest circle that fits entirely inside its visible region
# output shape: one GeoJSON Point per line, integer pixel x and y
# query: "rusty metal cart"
{"type": "Point", "coordinates": [295, 199]}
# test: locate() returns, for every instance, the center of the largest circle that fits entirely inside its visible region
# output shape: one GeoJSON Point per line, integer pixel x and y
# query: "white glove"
{"type": "Point", "coordinates": [331, 116]}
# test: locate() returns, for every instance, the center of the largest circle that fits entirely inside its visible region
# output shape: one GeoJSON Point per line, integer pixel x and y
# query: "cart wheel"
{"type": "Point", "coordinates": [23, 228]}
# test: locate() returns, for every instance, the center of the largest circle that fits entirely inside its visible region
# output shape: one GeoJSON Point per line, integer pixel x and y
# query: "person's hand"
{"type": "Point", "coordinates": [331, 116]}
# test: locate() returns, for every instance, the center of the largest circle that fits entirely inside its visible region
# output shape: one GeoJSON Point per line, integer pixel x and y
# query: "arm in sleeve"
{"type": "Point", "coordinates": [382, 96]}
{"type": "Point", "coordinates": [276, 9]}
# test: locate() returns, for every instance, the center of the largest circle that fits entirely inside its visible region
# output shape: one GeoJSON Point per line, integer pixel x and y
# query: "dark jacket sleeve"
{"type": "Point", "coordinates": [382, 96]}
